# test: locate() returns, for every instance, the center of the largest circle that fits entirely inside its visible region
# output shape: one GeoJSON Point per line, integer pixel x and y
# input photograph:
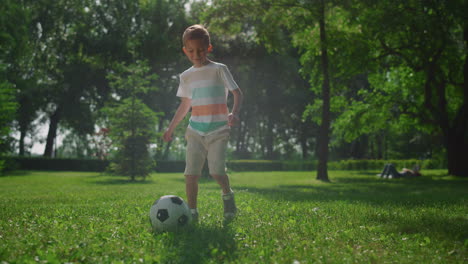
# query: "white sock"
{"type": "Point", "coordinates": [228, 196]}
{"type": "Point", "coordinates": [229, 193]}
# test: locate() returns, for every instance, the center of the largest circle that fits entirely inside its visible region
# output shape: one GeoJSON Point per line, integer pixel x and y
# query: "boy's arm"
{"type": "Point", "coordinates": [234, 115]}
{"type": "Point", "coordinates": [181, 112]}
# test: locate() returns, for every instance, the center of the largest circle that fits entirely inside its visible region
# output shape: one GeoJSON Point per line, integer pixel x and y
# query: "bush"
{"type": "Point", "coordinates": [2, 166]}
{"type": "Point", "coordinates": [54, 164]}
{"type": "Point", "coordinates": [170, 166]}
{"type": "Point", "coordinates": [8, 108]}
{"type": "Point", "coordinates": [133, 159]}
{"type": "Point", "coordinates": [379, 164]}
{"type": "Point", "coordinates": [41, 163]}
{"type": "Point", "coordinates": [254, 165]}
{"type": "Point", "coordinates": [299, 165]}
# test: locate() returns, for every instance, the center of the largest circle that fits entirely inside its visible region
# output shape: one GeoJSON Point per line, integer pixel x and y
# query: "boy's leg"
{"type": "Point", "coordinates": [195, 159]}
{"type": "Point", "coordinates": [191, 189]}
{"type": "Point", "coordinates": [217, 145]}
{"type": "Point", "coordinates": [223, 181]}
{"type": "Point", "coordinates": [229, 202]}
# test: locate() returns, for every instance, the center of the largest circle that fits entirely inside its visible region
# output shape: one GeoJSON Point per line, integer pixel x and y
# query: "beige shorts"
{"type": "Point", "coordinates": [200, 148]}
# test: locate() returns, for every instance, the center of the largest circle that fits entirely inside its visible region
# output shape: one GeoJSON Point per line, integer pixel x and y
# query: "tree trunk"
{"type": "Point", "coordinates": [23, 130]}
{"type": "Point", "coordinates": [269, 139]}
{"type": "Point", "coordinates": [457, 140]}
{"type": "Point", "coordinates": [457, 157]}
{"type": "Point", "coordinates": [52, 134]}
{"type": "Point", "coordinates": [133, 135]}
{"type": "Point", "coordinates": [323, 136]}
{"type": "Point", "coordinates": [240, 138]}
{"type": "Point", "coordinates": [303, 141]}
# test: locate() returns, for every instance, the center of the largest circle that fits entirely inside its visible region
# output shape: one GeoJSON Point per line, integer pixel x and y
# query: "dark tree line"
{"type": "Point", "coordinates": [323, 79]}
{"type": "Point", "coordinates": [376, 69]}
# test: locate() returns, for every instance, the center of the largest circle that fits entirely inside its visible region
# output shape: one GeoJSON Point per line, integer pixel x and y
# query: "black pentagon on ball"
{"type": "Point", "coordinates": [162, 215]}
{"type": "Point", "coordinates": [183, 220]}
{"type": "Point", "coordinates": [177, 200]}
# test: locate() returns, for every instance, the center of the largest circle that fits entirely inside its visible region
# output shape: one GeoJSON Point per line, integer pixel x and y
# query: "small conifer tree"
{"type": "Point", "coordinates": [131, 123]}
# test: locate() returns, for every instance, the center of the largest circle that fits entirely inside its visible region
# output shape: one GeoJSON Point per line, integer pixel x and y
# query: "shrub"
{"type": "Point", "coordinates": [254, 165]}
{"type": "Point", "coordinates": [131, 122]}
{"type": "Point", "coordinates": [8, 108]}
{"type": "Point", "coordinates": [56, 164]}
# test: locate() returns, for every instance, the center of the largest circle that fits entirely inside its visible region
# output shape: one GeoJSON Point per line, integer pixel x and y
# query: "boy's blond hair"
{"type": "Point", "coordinates": [196, 32]}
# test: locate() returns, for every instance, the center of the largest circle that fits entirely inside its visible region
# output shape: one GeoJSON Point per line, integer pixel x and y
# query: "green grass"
{"type": "Point", "coordinates": [286, 217]}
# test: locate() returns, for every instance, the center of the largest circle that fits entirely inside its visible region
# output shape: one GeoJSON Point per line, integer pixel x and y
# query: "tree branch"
{"type": "Point", "coordinates": [395, 51]}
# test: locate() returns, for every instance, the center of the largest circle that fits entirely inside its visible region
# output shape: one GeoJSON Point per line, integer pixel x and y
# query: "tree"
{"type": "Point", "coordinates": [12, 50]}
{"type": "Point", "coordinates": [131, 123]}
{"type": "Point", "coordinates": [421, 78]}
{"type": "Point", "coordinates": [324, 138]}
{"type": "Point", "coordinates": [7, 113]}
{"type": "Point", "coordinates": [315, 28]}
{"type": "Point", "coordinates": [73, 44]}
{"type": "Point", "coordinates": [17, 67]}
{"type": "Point", "coordinates": [159, 41]}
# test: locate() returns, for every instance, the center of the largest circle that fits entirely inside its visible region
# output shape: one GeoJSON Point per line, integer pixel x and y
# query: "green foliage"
{"type": "Point", "coordinates": [14, 31]}
{"type": "Point", "coordinates": [8, 108]}
{"type": "Point", "coordinates": [15, 65]}
{"type": "Point", "coordinates": [7, 111]}
{"type": "Point", "coordinates": [285, 217]}
{"type": "Point", "coordinates": [132, 123]}
{"type": "Point", "coordinates": [396, 68]}
{"type": "Point", "coordinates": [275, 94]}
{"type": "Point", "coordinates": [422, 67]}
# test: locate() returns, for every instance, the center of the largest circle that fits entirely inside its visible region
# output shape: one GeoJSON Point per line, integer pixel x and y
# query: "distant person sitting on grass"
{"type": "Point", "coordinates": [390, 172]}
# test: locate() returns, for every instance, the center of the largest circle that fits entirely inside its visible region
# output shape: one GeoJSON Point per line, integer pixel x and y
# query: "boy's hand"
{"type": "Point", "coordinates": [233, 119]}
{"type": "Point", "coordinates": [167, 136]}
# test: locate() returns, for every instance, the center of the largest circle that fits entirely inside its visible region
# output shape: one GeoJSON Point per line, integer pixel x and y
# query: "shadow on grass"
{"type": "Point", "coordinates": [438, 226]}
{"type": "Point", "coordinates": [116, 180]}
{"type": "Point", "coordinates": [370, 190]}
{"type": "Point", "coordinates": [201, 180]}
{"type": "Point", "coordinates": [121, 181]}
{"type": "Point", "coordinates": [407, 194]}
{"type": "Point", "coordinates": [15, 173]}
{"type": "Point", "coordinates": [201, 244]}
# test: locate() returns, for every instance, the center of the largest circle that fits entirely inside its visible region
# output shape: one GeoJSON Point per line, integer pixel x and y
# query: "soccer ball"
{"type": "Point", "coordinates": [169, 213]}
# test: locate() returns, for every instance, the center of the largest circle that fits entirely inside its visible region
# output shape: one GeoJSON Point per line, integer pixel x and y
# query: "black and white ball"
{"type": "Point", "coordinates": [170, 213]}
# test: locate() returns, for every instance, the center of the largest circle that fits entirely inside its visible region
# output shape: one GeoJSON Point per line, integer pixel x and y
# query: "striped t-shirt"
{"type": "Point", "coordinates": [207, 87]}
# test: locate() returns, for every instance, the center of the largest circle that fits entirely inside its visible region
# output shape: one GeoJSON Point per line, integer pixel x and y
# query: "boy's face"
{"type": "Point", "coordinates": [197, 51]}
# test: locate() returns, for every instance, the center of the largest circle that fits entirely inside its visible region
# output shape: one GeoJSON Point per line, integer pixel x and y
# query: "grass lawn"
{"type": "Point", "coordinates": [286, 217]}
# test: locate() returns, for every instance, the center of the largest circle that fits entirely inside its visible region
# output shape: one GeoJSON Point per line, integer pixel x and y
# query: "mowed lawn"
{"type": "Point", "coordinates": [285, 217]}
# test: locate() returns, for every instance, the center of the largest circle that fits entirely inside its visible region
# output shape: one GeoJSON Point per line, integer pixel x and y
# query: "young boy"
{"type": "Point", "coordinates": [204, 89]}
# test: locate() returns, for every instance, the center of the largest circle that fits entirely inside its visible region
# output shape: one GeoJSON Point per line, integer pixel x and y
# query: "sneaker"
{"type": "Point", "coordinates": [194, 218]}
{"type": "Point", "coordinates": [194, 215]}
{"type": "Point", "coordinates": [230, 208]}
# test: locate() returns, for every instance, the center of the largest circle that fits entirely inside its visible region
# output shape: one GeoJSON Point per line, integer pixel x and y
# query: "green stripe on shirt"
{"type": "Point", "coordinates": [210, 91]}
{"type": "Point", "coordinates": [207, 127]}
